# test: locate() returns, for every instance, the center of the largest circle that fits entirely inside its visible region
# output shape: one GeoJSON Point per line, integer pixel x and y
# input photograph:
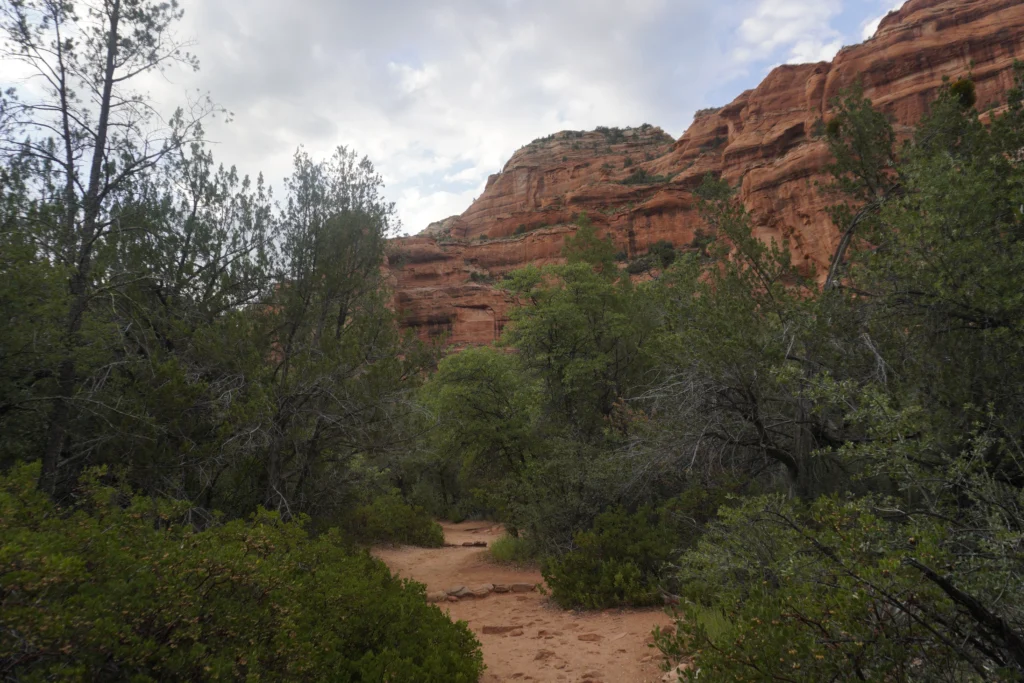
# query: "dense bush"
{"type": "Point", "coordinates": [512, 550]}
{"type": "Point", "coordinates": [481, 278]}
{"type": "Point", "coordinates": [642, 264]}
{"type": "Point", "coordinates": [965, 92]}
{"type": "Point", "coordinates": [612, 135]}
{"type": "Point", "coordinates": [616, 563]}
{"type": "Point", "coordinates": [701, 241]}
{"type": "Point", "coordinates": [664, 251]}
{"type": "Point", "coordinates": [620, 561]}
{"type": "Point", "coordinates": [389, 518]}
{"type": "Point", "coordinates": [829, 592]}
{"type": "Point", "coordinates": [642, 177]}
{"type": "Point", "coordinates": [119, 589]}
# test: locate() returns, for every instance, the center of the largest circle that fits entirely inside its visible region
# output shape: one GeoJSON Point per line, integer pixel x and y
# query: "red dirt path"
{"type": "Point", "coordinates": [547, 643]}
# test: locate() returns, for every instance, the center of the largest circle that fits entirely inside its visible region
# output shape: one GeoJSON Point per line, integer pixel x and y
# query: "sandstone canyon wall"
{"type": "Point", "coordinates": [636, 184]}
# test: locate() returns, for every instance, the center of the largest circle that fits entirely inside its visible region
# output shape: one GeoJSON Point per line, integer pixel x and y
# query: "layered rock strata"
{"type": "Point", "coordinates": [636, 184]}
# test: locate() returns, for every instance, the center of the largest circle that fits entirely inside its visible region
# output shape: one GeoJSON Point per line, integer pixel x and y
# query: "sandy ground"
{"type": "Point", "coordinates": [537, 640]}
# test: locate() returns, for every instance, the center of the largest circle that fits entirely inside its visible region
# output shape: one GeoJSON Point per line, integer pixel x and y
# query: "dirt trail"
{"type": "Point", "coordinates": [524, 636]}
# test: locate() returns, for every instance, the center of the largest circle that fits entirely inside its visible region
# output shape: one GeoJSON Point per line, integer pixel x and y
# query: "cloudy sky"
{"type": "Point", "coordinates": [439, 93]}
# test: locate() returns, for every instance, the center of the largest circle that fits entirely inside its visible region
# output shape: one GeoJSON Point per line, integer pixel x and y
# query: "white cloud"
{"type": "Point", "coordinates": [800, 29]}
{"type": "Point", "coordinates": [871, 26]}
{"type": "Point", "coordinates": [811, 50]}
{"type": "Point", "coordinates": [440, 94]}
{"type": "Point", "coordinates": [411, 79]}
{"type": "Point", "coordinates": [421, 209]}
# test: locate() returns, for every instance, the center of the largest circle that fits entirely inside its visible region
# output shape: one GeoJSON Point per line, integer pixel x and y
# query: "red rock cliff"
{"type": "Point", "coordinates": [636, 184]}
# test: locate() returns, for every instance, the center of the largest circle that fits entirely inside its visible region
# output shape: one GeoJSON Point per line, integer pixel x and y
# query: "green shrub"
{"type": "Point", "coordinates": [828, 591]}
{"type": "Point", "coordinates": [119, 590]}
{"type": "Point", "coordinates": [965, 92]}
{"type": "Point", "coordinates": [620, 561]}
{"type": "Point", "coordinates": [482, 278]}
{"type": "Point", "coordinates": [612, 135]}
{"type": "Point", "coordinates": [714, 143]}
{"type": "Point", "coordinates": [834, 128]}
{"type": "Point", "coordinates": [641, 265]}
{"type": "Point", "coordinates": [642, 177]}
{"type": "Point", "coordinates": [701, 241]}
{"type": "Point", "coordinates": [663, 252]}
{"type": "Point", "coordinates": [520, 230]}
{"type": "Point", "coordinates": [512, 550]}
{"type": "Point", "coordinates": [391, 519]}
{"type": "Point", "coordinates": [617, 563]}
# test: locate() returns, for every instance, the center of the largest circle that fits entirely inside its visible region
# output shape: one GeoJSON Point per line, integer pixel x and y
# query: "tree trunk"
{"type": "Point", "coordinates": [60, 416]}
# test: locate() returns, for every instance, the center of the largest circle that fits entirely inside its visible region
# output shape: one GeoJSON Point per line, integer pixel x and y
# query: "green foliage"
{"type": "Point", "coordinates": [643, 177]}
{"type": "Point", "coordinates": [713, 189]}
{"type": "Point", "coordinates": [701, 242]}
{"type": "Point", "coordinates": [715, 143]}
{"type": "Point", "coordinates": [823, 593]}
{"type": "Point", "coordinates": [612, 135]}
{"type": "Point", "coordinates": [583, 338]}
{"type": "Point", "coordinates": [520, 230]}
{"type": "Point", "coordinates": [171, 320]}
{"type": "Point", "coordinates": [707, 111]}
{"type": "Point", "coordinates": [642, 264]}
{"type": "Point", "coordinates": [965, 92]}
{"type": "Point", "coordinates": [482, 412]}
{"type": "Point", "coordinates": [514, 550]}
{"type": "Point", "coordinates": [863, 145]}
{"type": "Point", "coordinates": [833, 129]}
{"type": "Point", "coordinates": [586, 247]}
{"type": "Point", "coordinates": [616, 563]}
{"type": "Point", "coordinates": [532, 427]}
{"type": "Point", "coordinates": [664, 252]}
{"type": "Point", "coordinates": [389, 518]}
{"type": "Point", "coordinates": [481, 278]}
{"type": "Point", "coordinates": [911, 401]}
{"type": "Point", "coordinates": [121, 589]}
{"type": "Point", "coordinates": [621, 560]}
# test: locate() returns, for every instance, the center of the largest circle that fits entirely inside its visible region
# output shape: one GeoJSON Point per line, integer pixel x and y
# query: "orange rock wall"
{"type": "Point", "coordinates": [763, 142]}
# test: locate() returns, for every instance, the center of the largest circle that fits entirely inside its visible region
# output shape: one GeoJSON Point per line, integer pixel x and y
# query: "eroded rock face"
{"type": "Point", "coordinates": [636, 184]}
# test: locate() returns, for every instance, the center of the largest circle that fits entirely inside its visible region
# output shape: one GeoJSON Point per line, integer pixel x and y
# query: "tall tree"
{"type": "Point", "coordinates": [92, 135]}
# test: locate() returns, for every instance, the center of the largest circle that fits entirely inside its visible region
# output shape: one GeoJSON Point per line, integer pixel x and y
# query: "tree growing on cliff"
{"type": "Point", "coordinates": [862, 143]}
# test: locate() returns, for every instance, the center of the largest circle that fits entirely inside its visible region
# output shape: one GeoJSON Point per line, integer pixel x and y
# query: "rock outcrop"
{"type": "Point", "coordinates": [636, 184]}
